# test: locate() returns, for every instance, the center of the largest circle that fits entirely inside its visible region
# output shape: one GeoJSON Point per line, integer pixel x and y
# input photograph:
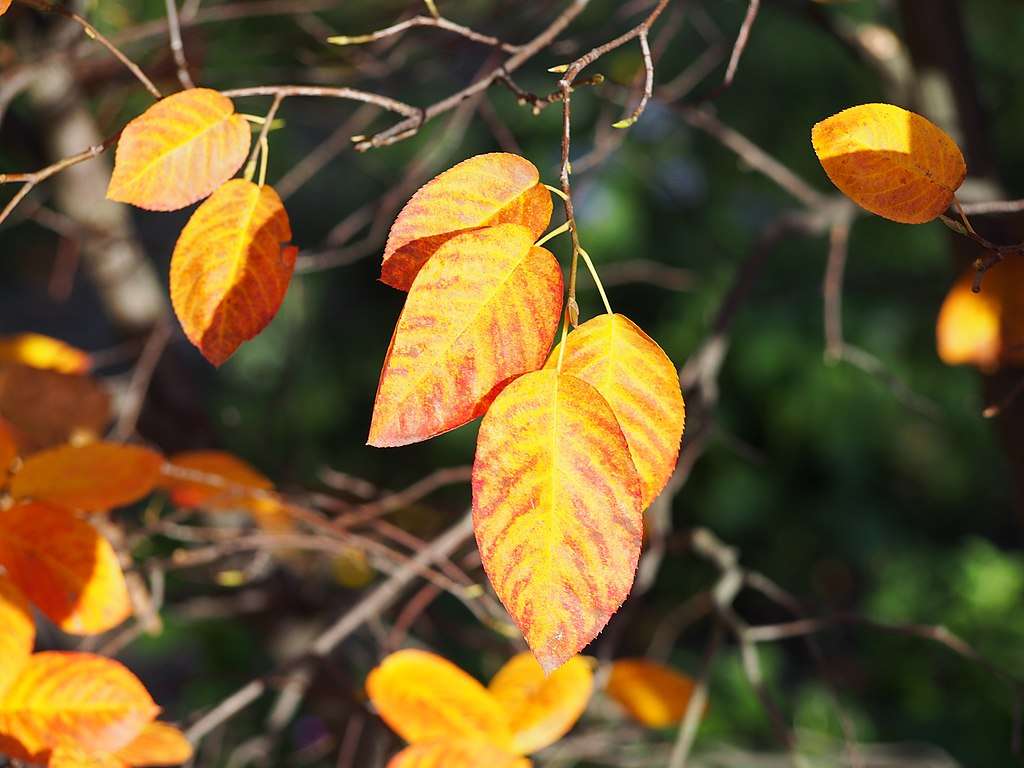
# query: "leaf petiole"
{"type": "Point", "coordinates": [553, 233]}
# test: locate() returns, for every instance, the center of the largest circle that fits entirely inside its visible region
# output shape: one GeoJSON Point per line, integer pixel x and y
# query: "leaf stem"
{"type": "Point", "coordinates": [553, 233]}
{"type": "Point", "coordinates": [264, 159]}
{"type": "Point", "coordinates": [561, 343]}
{"type": "Point", "coordinates": [597, 280]}
{"type": "Point", "coordinates": [555, 190]}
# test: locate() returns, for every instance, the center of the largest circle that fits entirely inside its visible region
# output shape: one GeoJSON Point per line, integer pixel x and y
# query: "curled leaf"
{"type": "Point", "coordinates": [653, 694]}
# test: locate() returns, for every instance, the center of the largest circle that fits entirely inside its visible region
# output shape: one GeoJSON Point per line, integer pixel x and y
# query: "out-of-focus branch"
{"type": "Point", "coordinates": [438, 22]}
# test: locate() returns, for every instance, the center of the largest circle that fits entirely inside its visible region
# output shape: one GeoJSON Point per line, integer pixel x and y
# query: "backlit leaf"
{"type": "Point", "coordinates": [483, 310]}
{"type": "Point", "coordinates": [94, 476]}
{"type": "Point", "coordinates": [556, 511]}
{"type": "Point", "coordinates": [424, 698]}
{"type": "Point", "coordinates": [66, 756]}
{"type": "Point", "coordinates": [541, 708]}
{"type": "Point", "coordinates": [230, 269]}
{"type": "Point", "coordinates": [641, 385]}
{"type": "Point", "coordinates": [157, 744]}
{"type": "Point", "coordinates": [76, 699]}
{"type": "Point", "coordinates": [64, 566]}
{"type": "Point", "coordinates": [38, 351]}
{"type": "Point", "coordinates": [969, 328]}
{"type": "Point", "coordinates": [489, 189]}
{"type": "Point", "coordinates": [890, 161]}
{"type": "Point", "coordinates": [456, 754]}
{"type": "Point", "coordinates": [653, 694]}
{"type": "Point", "coordinates": [179, 151]}
{"type": "Point", "coordinates": [17, 631]}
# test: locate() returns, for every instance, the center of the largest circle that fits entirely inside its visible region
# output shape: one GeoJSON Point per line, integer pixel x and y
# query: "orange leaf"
{"type": "Point", "coordinates": [541, 708]}
{"type": "Point", "coordinates": [157, 744]}
{"type": "Point", "coordinates": [71, 757]}
{"type": "Point", "coordinates": [229, 271]}
{"type": "Point", "coordinates": [969, 328]}
{"type": "Point", "coordinates": [93, 476]}
{"type": "Point", "coordinates": [456, 754]}
{"type": "Point", "coordinates": [92, 703]}
{"type": "Point", "coordinates": [38, 351]}
{"type": "Point", "coordinates": [490, 189]}
{"type": "Point", "coordinates": [425, 698]}
{"type": "Point", "coordinates": [179, 151]}
{"type": "Point", "coordinates": [8, 448]}
{"type": "Point", "coordinates": [556, 511]}
{"type": "Point", "coordinates": [641, 385]}
{"type": "Point", "coordinates": [482, 311]}
{"type": "Point", "coordinates": [890, 161]}
{"type": "Point", "coordinates": [64, 566]}
{"type": "Point", "coordinates": [4, 5]}
{"type": "Point", "coordinates": [18, 633]}
{"type": "Point", "coordinates": [653, 694]}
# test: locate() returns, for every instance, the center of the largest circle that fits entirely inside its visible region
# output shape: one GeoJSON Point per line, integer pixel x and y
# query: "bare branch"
{"type": "Point", "coordinates": [438, 22]}
{"type": "Point", "coordinates": [177, 47]}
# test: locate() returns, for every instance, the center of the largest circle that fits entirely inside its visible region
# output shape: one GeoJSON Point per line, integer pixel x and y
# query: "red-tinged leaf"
{"type": "Point", "coordinates": [17, 631]}
{"type": "Point", "coordinates": [179, 151]}
{"type": "Point", "coordinates": [653, 694]}
{"type": "Point", "coordinates": [424, 698]}
{"type": "Point", "coordinates": [456, 754]}
{"type": "Point", "coordinates": [641, 385]}
{"type": "Point", "coordinates": [482, 311]}
{"type": "Point", "coordinates": [541, 708]}
{"type": "Point", "coordinates": [889, 161]}
{"type": "Point", "coordinates": [95, 476]}
{"type": "Point", "coordinates": [43, 352]}
{"type": "Point", "coordinates": [64, 566]}
{"type": "Point", "coordinates": [496, 188]}
{"type": "Point", "coordinates": [71, 757]}
{"type": "Point", "coordinates": [8, 448]}
{"type": "Point", "coordinates": [230, 269]}
{"type": "Point", "coordinates": [556, 511]}
{"type": "Point", "coordinates": [75, 700]}
{"type": "Point", "coordinates": [157, 744]}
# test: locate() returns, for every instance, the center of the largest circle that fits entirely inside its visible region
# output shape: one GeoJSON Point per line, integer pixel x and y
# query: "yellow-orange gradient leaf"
{"type": "Point", "coordinates": [78, 700]}
{"type": "Point", "coordinates": [484, 190]}
{"type": "Point", "coordinates": [157, 744]}
{"type": "Point", "coordinates": [969, 328]}
{"type": "Point", "coordinates": [66, 756]}
{"type": "Point", "coordinates": [541, 708]}
{"type": "Point", "coordinates": [653, 694]}
{"type": "Point", "coordinates": [231, 268]}
{"type": "Point", "coordinates": [556, 511]}
{"type": "Point", "coordinates": [95, 476]}
{"type": "Point", "coordinates": [641, 385]}
{"type": "Point", "coordinates": [424, 698]}
{"type": "Point", "coordinates": [64, 566]}
{"type": "Point", "coordinates": [890, 161]}
{"type": "Point", "coordinates": [43, 352]}
{"type": "Point", "coordinates": [483, 310]}
{"type": "Point", "coordinates": [456, 754]}
{"type": "Point", "coordinates": [17, 631]}
{"type": "Point", "coordinates": [179, 151]}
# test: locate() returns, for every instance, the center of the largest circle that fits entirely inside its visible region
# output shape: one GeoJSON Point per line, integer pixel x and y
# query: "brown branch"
{"type": "Point", "coordinates": [437, 22]}
{"type": "Point", "coordinates": [741, 42]}
{"type": "Point", "coordinates": [177, 47]}
{"type": "Point", "coordinates": [998, 206]}
{"type": "Point", "coordinates": [392, 105]}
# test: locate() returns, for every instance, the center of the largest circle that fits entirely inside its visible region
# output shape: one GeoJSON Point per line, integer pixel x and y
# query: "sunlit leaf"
{"type": "Point", "coordinates": [541, 708]}
{"type": "Point", "coordinates": [38, 351]}
{"type": "Point", "coordinates": [231, 268]}
{"type": "Point", "coordinates": [556, 511]}
{"type": "Point", "coordinates": [66, 756]}
{"type": "Point", "coordinates": [653, 694]}
{"type": "Point", "coordinates": [890, 161]}
{"type": "Point", "coordinates": [4, 5]}
{"type": "Point", "coordinates": [179, 151]}
{"type": "Point", "coordinates": [64, 566]}
{"type": "Point", "coordinates": [456, 754]}
{"type": "Point", "coordinates": [157, 744]}
{"type": "Point", "coordinates": [487, 189]}
{"type": "Point", "coordinates": [484, 309]}
{"type": "Point", "coordinates": [17, 631]}
{"type": "Point", "coordinates": [969, 328]}
{"type": "Point", "coordinates": [8, 448]}
{"type": "Point", "coordinates": [641, 385]}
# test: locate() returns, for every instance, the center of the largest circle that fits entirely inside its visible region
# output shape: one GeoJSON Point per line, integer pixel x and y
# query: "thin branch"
{"type": "Point", "coordinates": [268, 120]}
{"type": "Point", "coordinates": [696, 704]}
{"type": "Point", "coordinates": [392, 105]}
{"type": "Point", "coordinates": [741, 42]}
{"type": "Point", "coordinates": [438, 22]}
{"type": "Point", "coordinates": [177, 47]}
{"type": "Point", "coordinates": [142, 375]}
{"type": "Point", "coordinates": [832, 289]}
{"type": "Point", "coordinates": [999, 206]}
{"type": "Point", "coordinates": [645, 50]}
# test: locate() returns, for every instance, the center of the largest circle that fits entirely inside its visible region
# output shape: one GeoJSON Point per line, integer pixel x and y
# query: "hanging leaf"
{"type": "Point", "coordinates": [63, 565]}
{"type": "Point", "coordinates": [179, 151]}
{"type": "Point", "coordinates": [95, 476]}
{"type": "Point", "coordinates": [969, 328]}
{"type": "Point", "coordinates": [43, 352]}
{"type": "Point", "coordinates": [556, 511]}
{"type": "Point", "coordinates": [456, 754]}
{"type": "Point", "coordinates": [495, 188]}
{"type": "Point", "coordinates": [483, 310]}
{"type": "Point", "coordinates": [157, 744]}
{"type": "Point", "coordinates": [18, 633]}
{"type": "Point", "coordinates": [641, 385]}
{"type": "Point", "coordinates": [424, 698]}
{"type": "Point", "coordinates": [890, 161]}
{"type": "Point", "coordinates": [541, 708]}
{"type": "Point", "coordinates": [653, 694]}
{"type": "Point", "coordinates": [229, 271]}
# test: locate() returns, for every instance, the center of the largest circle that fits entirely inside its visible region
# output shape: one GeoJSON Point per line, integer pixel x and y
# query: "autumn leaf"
{"type": "Point", "coordinates": [541, 708]}
{"type": "Point", "coordinates": [179, 151]}
{"type": "Point", "coordinates": [229, 271]}
{"type": "Point", "coordinates": [653, 694]}
{"type": "Point", "coordinates": [4, 5]}
{"type": "Point", "coordinates": [556, 511]}
{"type": "Point", "coordinates": [641, 385]}
{"type": "Point", "coordinates": [890, 161]}
{"type": "Point", "coordinates": [969, 328]}
{"type": "Point", "coordinates": [95, 476]}
{"type": "Point", "coordinates": [18, 633]}
{"type": "Point", "coordinates": [424, 698]}
{"type": "Point", "coordinates": [64, 566]}
{"type": "Point", "coordinates": [65, 756]}
{"type": "Point", "coordinates": [484, 190]}
{"type": "Point", "coordinates": [8, 448]}
{"type": "Point", "coordinates": [157, 744]}
{"type": "Point", "coordinates": [456, 754]}
{"type": "Point", "coordinates": [43, 352]}
{"type": "Point", "coordinates": [483, 310]}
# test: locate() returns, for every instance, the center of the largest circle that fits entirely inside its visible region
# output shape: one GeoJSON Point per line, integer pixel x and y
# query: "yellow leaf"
{"type": "Point", "coordinates": [66, 756]}
{"type": "Point", "coordinates": [157, 744]}
{"type": "Point", "coordinates": [43, 352]}
{"type": "Point", "coordinates": [653, 694]}
{"type": "Point", "coordinates": [890, 161]}
{"type": "Point", "coordinates": [541, 708]}
{"type": "Point", "coordinates": [17, 632]}
{"type": "Point", "coordinates": [969, 328]}
{"type": "Point", "coordinates": [456, 754]}
{"type": "Point", "coordinates": [179, 151]}
{"type": "Point", "coordinates": [229, 271]}
{"type": "Point", "coordinates": [556, 511]}
{"type": "Point", "coordinates": [483, 310]}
